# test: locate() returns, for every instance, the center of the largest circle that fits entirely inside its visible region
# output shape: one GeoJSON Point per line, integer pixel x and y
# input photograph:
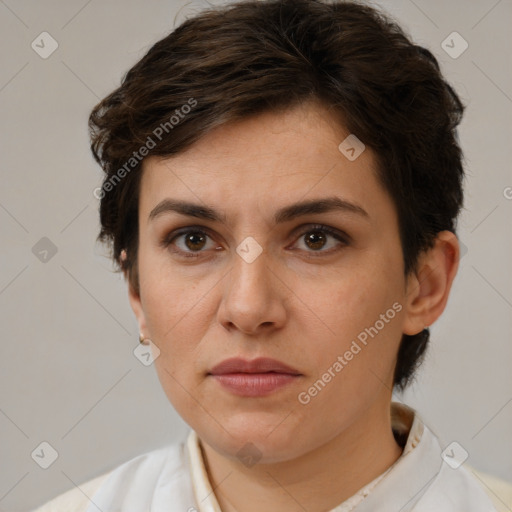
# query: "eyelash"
{"type": "Point", "coordinates": [340, 236]}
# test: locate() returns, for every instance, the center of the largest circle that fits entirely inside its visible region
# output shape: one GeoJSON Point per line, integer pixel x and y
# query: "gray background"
{"type": "Point", "coordinates": [68, 372]}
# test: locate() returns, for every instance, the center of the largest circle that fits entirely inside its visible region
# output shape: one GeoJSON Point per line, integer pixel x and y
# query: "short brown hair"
{"type": "Point", "coordinates": [254, 56]}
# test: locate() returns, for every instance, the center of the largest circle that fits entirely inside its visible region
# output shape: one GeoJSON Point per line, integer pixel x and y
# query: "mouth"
{"type": "Point", "coordinates": [259, 377]}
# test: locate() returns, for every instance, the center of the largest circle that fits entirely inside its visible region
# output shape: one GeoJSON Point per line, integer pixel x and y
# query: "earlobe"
{"type": "Point", "coordinates": [429, 287]}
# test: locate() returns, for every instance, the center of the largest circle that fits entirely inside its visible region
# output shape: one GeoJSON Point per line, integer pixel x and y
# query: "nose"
{"type": "Point", "coordinates": [253, 298]}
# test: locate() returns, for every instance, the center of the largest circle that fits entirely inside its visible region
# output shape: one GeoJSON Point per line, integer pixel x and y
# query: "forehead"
{"type": "Point", "coordinates": [265, 161]}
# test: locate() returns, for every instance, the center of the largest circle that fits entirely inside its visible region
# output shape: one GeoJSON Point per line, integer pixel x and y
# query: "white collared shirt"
{"type": "Point", "coordinates": [174, 479]}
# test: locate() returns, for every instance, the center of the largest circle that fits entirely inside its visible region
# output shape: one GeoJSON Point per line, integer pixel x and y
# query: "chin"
{"type": "Point", "coordinates": [259, 436]}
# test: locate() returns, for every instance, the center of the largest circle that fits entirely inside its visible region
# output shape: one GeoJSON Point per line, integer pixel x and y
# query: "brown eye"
{"type": "Point", "coordinates": [195, 240]}
{"type": "Point", "coordinates": [189, 242]}
{"type": "Point", "coordinates": [315, 240]}
{"type": "Point", "coordinates": [322, 240]}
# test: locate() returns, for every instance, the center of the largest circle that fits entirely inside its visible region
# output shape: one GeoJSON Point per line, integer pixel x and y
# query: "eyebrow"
{"type": "Point", "coordinates": [284, 214]}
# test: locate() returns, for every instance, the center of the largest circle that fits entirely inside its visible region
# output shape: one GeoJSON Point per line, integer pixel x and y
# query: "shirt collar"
{"type": "Point", "coordinates": [407, 428]}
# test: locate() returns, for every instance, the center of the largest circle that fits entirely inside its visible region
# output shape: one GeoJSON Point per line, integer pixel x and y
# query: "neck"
{"type": "Point", "coordinates": [335, 470]}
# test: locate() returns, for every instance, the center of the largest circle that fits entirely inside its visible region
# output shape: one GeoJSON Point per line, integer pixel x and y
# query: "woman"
{"type": "Point", "coordinates": [282, 182]}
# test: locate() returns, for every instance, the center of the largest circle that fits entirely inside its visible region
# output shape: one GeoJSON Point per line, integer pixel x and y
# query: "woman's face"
{"type": "Point", "coordinates": [320, 292]}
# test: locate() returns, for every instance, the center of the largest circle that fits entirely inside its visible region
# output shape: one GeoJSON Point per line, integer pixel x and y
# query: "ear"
{"type": "Point", "coordinates": [429, 287]}
{"type": "Point", "coordinates": [135, 301]}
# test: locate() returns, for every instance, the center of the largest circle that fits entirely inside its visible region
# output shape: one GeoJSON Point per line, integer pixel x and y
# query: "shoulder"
{"type": "Point", "coordinates": [138, 475]}
{"type": "Point", "coordinates": [500, 491]}
{"type": "Point", "coordinates": [430, 482]}
{"type": "Point", "coordinates": [76, 499]}
{"type": "Point", "coordinates": [461, 489]}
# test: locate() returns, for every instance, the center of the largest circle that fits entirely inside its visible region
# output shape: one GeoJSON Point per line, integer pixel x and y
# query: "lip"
{"type": "Point", "coordinates": [259, 365]}
{"type": "Point", "coordinates": [258, 377]}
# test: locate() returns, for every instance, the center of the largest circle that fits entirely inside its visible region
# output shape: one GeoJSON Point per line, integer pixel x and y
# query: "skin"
{"type": "Point", "coordinates": [296, 302]}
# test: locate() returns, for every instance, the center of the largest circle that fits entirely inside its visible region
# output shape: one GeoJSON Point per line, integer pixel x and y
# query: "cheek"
{"type": "Point", "coordinates": [349, 304]}
{"type": "Point", "coordinates": [172, 309]}
{"type": "Point", "coordinates": [360, 316]}
{"type": "Point", "coordinates": [177, 324]}
{"type": "Point", "coordinates": [170, 297]}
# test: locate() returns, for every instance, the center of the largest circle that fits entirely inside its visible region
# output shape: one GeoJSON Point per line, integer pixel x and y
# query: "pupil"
{"type": "Point", "coordinates": [193, 239]}
{"type": "Point", "coordinates": [315, 240]}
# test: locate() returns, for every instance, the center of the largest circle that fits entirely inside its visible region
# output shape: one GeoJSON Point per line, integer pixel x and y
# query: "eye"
{"type": "Point", "coordinates": [189, 241]}
{"type": "Point", "coordinates": [316, 239]}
